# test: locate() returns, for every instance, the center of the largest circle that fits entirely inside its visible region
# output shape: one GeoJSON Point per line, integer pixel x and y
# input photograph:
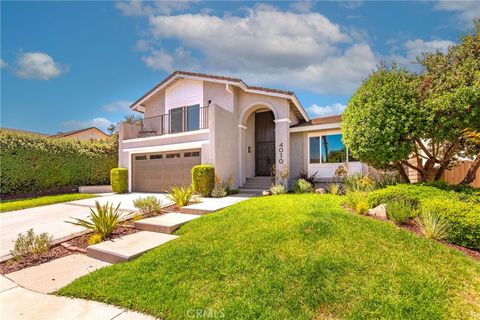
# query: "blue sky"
{"type": "Point", "coordinates": [67, 65]}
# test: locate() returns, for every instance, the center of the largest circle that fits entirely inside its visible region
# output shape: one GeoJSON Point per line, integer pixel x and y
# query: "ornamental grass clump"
{"type": "Point", "coordinates": [180, 195]}
{"type": "Point", "coordinates": [433, 225]}
{"type": "Point", "coordinates": [334, 188]}
{"type": "Point", "coordinates": [101, 221]}
{"type": "Point", "coordinates": [400, 210]}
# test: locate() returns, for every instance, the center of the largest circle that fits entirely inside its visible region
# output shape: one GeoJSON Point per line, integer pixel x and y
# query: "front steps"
{"type": "Point", "coordinates": [256, 185]}
{"type": "Point", "coordinates": [128, 247]}
{"type": "Point", "coordinates": [166, 223]}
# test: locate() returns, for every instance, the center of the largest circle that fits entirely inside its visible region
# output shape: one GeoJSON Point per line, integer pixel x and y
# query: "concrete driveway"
{"type": "Point", "coordinates": [52, 218]}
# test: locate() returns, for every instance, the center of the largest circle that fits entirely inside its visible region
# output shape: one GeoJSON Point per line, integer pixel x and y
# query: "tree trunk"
{"type": "Point", "coordinates": [472, 171]}
{"type": "Point", "coordinates": [402, 172]}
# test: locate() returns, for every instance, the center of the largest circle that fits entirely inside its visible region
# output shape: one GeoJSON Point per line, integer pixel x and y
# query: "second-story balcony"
{"type": "Point", "coordinates": [178, 120]}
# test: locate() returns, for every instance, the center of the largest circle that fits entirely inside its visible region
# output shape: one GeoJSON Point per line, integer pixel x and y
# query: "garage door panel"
{"type": "Point", "coordinates": [160, 174]}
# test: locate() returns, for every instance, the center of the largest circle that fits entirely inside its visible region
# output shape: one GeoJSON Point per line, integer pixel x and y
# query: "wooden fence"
{"type": "Point", "coordinates": [457, 173]}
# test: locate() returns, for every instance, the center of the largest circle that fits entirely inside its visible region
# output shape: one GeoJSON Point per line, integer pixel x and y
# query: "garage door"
{"type": "Point", "coordinates": [157, 172]}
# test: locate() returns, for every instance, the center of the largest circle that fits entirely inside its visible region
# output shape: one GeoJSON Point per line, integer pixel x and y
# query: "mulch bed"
{"type": "Point", "coordinates": [414, 228]}
{"type": "Point", "coordinates": [75, 245]}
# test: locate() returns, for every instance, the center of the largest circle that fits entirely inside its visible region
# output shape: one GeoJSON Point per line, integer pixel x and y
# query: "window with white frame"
{"type": "Point", "coordinates": [328, 148]}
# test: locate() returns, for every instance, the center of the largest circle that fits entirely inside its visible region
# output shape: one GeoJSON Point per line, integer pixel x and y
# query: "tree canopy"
{"type": "Point", "coordinates": [419, 121]}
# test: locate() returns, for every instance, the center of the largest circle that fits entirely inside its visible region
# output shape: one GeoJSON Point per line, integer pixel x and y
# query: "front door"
{"type": "Point", "coordinates": [264, 143]}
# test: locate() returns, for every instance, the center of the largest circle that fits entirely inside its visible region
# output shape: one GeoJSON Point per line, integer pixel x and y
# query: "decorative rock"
{"type": "Point", "coordinates": [320, 190]}
{"type": "Point", "coordinates": [266, 193]}
{"type": "Point", "coordinates": [379, 211]}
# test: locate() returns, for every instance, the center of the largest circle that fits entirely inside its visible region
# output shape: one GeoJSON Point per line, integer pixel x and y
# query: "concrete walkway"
{"type": "Point", "coordinates": [51, 218]}
{"type": "Point", "coordinates": [207, 205]}
{"type": "Point", "coordinates": [19, 303]}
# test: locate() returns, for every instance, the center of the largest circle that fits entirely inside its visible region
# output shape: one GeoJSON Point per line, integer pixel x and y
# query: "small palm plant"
{"type": "Point", "coordinates": [433, 225]}
{"type": "Point", "coordinates": [181, 195]}
{"type": "Point", "coordinates": [103, 220]}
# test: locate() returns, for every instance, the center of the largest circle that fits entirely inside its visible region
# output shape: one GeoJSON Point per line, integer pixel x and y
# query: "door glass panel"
{"type": "Point", "coordinates": [176, 120]}
{"type": "Point", "coordinates": [193, 117]}
{"type": "Point", "coordinates": [333, 149]}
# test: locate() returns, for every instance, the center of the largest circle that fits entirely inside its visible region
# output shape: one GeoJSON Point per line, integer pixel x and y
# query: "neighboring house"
{"type": "Point", "coordinates": [86, 134]}
{"type": "Point", "coordinates": [192, 118]}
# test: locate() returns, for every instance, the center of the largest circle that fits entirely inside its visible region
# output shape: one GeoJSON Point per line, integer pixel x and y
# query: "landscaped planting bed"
{"type": "Point", "coordinates": [292, 257]}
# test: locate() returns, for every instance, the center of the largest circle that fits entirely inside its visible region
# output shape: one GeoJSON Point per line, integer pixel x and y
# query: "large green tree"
{"type": "Point", "coordinates": [419, 120]}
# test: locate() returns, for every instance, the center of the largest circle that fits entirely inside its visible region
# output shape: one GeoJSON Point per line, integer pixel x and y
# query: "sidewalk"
{"type": "Point", "coordinates": [19, 303]}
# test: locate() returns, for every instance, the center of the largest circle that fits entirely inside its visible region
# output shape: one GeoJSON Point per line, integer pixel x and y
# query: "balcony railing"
{"type": "Point", "coordinates": [178, 120]}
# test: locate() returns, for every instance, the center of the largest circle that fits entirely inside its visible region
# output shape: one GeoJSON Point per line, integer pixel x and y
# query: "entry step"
{"type": "Point", "coordinates": [166, 223]}
{"type": "Point", "coordinates": [128, 247]}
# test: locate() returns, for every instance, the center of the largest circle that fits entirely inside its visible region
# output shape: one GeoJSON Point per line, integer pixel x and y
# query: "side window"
{"type": "Point", "coordinates": [176, 120]}
{"type": "Point", "coordinates": [314, 149]}
{"type": "Point", "coordinates": [333, 149]}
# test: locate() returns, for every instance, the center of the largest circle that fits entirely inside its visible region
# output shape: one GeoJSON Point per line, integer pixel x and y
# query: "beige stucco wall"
{"type": "Point", "coordinates": [155, 106]}
{"type": "Point", "coordinates": [250, 139]}
{"type": "Point", "coordinates": [298, 162]}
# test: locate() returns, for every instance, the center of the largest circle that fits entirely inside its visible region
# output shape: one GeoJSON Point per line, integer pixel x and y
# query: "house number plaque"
{"type": "Point", "coordinates": [280, 150]}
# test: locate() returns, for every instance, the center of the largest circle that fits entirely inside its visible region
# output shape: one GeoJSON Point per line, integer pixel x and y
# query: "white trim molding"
{"type": "Point", "coordinates": [166, 136]}
{"type": "Point", "coordinates": [283, 120]}
{"type": "Point", "coordinates": [241, 126]}
{"type": "Point", "coordinates": [167, 147]}
{"type": "Point", "coordinates": [337, 125]}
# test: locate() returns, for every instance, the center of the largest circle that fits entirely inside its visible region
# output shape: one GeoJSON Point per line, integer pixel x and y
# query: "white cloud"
{"type": "Point", "coordinates": [465, 10]}
{"type": "Point", "coordinates": [351, 4]}
{"type": "Point", "coordinates": [415, 48]}
{"type": "Point", "coordinates": [100, 123]}
{"type": "Point", "coordinates": [301, 6]}
{"type": "Point", "coordinates": [138, 8]}
{"type": "Point", "coordinates": [122, 106]}
{"type": "Point", "coordinates": [267, 47]}
{"type": "Point", "coordinates": [37, 65]}
{"type": "Point", "coordinates": [159, 60]}
{"type": "Point", "coordinates": [322, 111]}
{"type": "Point", "coordinates": [3, 64]}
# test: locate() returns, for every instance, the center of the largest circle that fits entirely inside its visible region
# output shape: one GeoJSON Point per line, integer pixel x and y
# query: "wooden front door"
{"type": "Point", "coordinates": [264, 143]}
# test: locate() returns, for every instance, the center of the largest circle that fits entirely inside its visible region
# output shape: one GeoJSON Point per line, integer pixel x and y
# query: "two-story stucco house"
{"type": "Point", "coordinates": [248, 133]}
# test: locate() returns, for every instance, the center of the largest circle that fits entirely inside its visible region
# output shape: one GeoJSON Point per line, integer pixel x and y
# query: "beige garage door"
{"type": "Point", "coordinates": [157, 172]}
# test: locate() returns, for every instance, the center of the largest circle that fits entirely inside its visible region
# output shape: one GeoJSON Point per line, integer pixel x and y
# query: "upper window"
{"type": "Point", "coordinates": [328, 149]}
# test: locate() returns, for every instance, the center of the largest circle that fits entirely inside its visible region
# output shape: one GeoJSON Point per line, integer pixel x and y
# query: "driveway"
{"type": "Point", "coordinates": [52, 218]}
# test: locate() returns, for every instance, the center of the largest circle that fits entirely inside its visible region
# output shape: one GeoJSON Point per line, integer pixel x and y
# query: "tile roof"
{"type": "Point", "coordinates": [211, 76]}
{"type": "Point", "coordinates": [69, 133]}
{"type": "Point", "coordinates": [321, 120]}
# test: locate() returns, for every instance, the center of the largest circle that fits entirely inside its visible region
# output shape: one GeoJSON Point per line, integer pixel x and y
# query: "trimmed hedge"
{"type": "Point", "coordinates": [119, 180]}
{"type": "Point", "coordinates": [203, 179]}
{"type": "Point", "coordinates": [460, 209]}
{"type": "Point", "coordinates": [33, 163]}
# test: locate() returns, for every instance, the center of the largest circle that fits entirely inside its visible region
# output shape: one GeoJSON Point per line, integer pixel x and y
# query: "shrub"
{"type": "Point", "coordinates": [148, 205]}
{"type": "Point", "coordinates": [94, 239]}
{"type": "Point", "coordinates": [119, 180]}
{"type": "Point", "coordinates": [304, 175]}
{"type": "Point", "coordinates": [219, 192]}
{"type": "Point", "coordinates": [278, 189]}
{"type": "Point", "coordinates": [302, 186]}
{"type": "Point", "coordinates": [102, 221]}
{"type": "Point", "coordinates": [433, 225]}
{"type": "Point", "coordinates": [203, 179]}
{"type": "Point", "coordinates": [181, 195]}
{"type": "Point", "coordinates": [33, 163]}
{"type": "Point", "coordinates": [357, 182]}
{"type": "Point", "coordinates": [31, 243]}
{"type": "Point", "coordinates": [394, 193]}
{"type": "Point", "coordinates": [334, 188]}
{"type": "Point", "coordinates": [233, 191]}
{"type": "Point", "coordinates": [357, 201]}
{"type": "Point", "coordinates": [463, 219]}
{"type": "Point", "coordinates": [400, 210]}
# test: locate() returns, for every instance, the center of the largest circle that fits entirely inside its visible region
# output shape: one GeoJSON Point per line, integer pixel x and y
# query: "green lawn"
{"type": "Point", "coordinates": [10, 205]}
{"type": "Point", "coordinates": [292, 257]}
